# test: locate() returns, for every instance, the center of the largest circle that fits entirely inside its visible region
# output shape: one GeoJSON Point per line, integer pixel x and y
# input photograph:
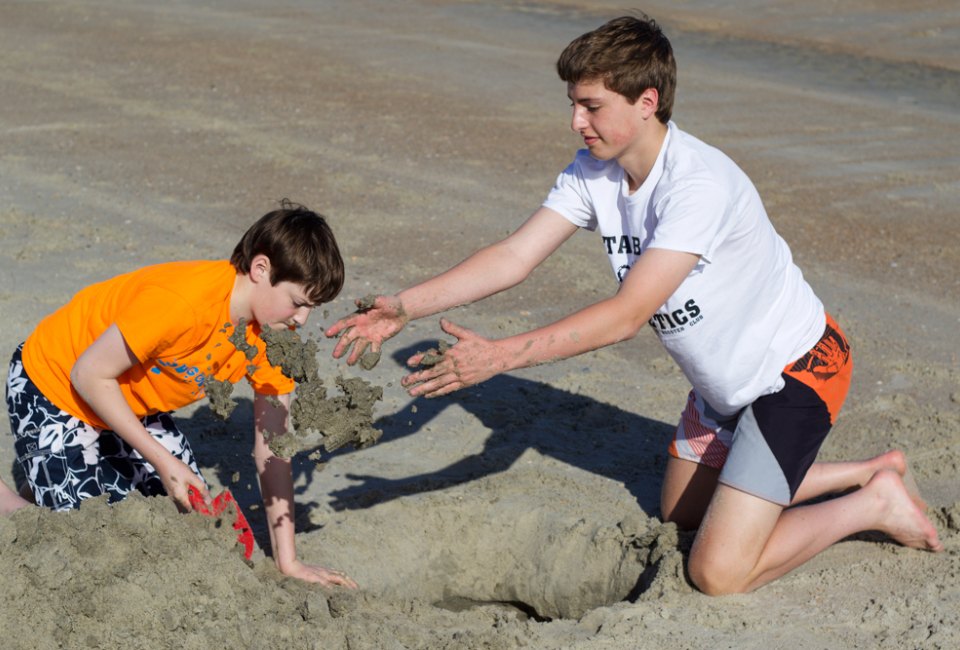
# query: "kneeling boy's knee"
{"type": "Point", "coordinates": [714, 580]}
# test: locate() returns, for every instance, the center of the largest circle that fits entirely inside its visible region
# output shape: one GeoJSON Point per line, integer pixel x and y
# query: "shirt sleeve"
{"type": "Point", "coordinates": [569, 197]}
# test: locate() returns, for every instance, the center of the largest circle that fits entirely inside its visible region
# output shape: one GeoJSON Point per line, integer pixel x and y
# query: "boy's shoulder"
{"type": "Point", "coordinates": [689, 162]}
{"type": "Point", "coordinates": [692, 153]}
{"type": "Point", "coordinates": [177, 270]}
{"type": "Point", "coordinates": [191, 280]}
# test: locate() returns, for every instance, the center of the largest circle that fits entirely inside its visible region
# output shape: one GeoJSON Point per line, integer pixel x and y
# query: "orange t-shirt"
{"type": "Point", "coordinates": [175, 317]}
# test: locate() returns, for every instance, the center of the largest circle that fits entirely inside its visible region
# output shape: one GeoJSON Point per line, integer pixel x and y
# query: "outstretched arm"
{"type": "Point", "coordinates": [276, 487]}
{"type": "Point", "coordinates": [653, 278]}
{"type": "Point", "coordinates": [94, 376]}
{"type": "Point", "coordinates": [490, 270]}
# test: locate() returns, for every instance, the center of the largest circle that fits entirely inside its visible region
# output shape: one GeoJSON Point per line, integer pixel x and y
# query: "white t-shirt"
{"type": "Point", "coordinates": [745, 311]}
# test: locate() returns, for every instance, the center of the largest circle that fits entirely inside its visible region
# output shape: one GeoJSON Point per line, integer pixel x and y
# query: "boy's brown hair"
{"type": "Point", "coordinates": [301, 249]}
{"type": "Point", "coordinates": [629, 54]}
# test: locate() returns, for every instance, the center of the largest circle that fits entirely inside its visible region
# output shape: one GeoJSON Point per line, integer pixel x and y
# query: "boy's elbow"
{"type": "Point", "coordinates": [80, 377]}
{"type": "Point", "coordinates": [627, 333]}
{"type": "Point", "coordinates": [78, 381]}
{"type": "Point", "coordinates": [76, 374]}
{"type": "Point", "coordinates": [630, 325]}
{"type": "Point", "coordinates": [629, 319]}
{"type": "Point", "coordinates": [637, 324]}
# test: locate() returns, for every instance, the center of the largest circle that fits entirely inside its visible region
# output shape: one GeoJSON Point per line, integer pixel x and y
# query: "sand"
{"type": "Point", "coordinates": [521, 512]}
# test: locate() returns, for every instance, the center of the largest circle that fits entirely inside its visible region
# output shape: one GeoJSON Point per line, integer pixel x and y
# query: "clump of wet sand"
{"type": "Point", "coordinates": [340, 420]}
{"type": "Point", "coordinates": [219, 394]}
{"type": "Point", "coordinates": [433, 356]}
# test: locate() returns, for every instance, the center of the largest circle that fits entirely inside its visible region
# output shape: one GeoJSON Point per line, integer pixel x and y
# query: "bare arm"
{"type": "Point", "coordinates": [654, 277]}
{"type": "Point", "coordinates": [490, 270]}
{"type": "Point", "coordinates": [94, 376]}
{"type": "Point", "coordinates": [276, 487]}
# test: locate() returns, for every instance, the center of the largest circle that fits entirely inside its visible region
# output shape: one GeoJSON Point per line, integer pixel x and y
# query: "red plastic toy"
{"type": "Point", "coordinates": [216, 508]}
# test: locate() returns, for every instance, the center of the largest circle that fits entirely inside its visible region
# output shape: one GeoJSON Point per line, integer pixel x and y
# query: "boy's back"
{"type": "Point", "coordinates": [174, 318]}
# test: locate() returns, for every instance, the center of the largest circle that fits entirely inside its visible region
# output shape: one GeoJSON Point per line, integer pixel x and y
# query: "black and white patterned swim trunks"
{"type": "Point", "coordinates": [65, 460]}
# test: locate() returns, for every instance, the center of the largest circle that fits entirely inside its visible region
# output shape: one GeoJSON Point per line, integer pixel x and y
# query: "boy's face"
{"type": "Point", "coordinates": [609, 124]}
{"type": "Point", "coordinates": [286, 305]}
{"type": "Point", "coordinates": [282, 305]}
{"type": "Point", "coordinates": [278, 306]}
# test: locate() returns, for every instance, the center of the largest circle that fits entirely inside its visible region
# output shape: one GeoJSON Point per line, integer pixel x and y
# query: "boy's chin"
{"type": "Point", "coordinates": [599, 155]}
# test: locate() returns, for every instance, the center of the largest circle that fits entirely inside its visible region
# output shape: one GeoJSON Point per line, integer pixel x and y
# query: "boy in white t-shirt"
{"type": "Point", "coordinates": [699, 261]}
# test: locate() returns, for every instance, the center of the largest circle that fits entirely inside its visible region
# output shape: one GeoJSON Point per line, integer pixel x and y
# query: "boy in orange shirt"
{"type": "Point", "coordinates": [91, 389]}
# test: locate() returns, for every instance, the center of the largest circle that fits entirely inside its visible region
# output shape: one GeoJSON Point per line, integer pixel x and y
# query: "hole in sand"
{"type": "Point", "coordinates": [460, 550]}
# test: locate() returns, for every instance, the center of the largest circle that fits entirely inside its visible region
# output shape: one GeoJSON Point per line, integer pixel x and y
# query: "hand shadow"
{"type": "Point", "coordinates": [523, 414]}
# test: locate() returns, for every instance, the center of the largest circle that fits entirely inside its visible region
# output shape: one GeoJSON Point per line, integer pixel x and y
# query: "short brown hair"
{"type": "Point", "coordinates": [629, 54]}
{"type": "Point", "coordinates": [301, 249]}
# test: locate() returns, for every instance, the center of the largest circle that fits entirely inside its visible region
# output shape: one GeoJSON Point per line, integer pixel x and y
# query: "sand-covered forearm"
{"type": "Point", "coordinates": [599, 325]}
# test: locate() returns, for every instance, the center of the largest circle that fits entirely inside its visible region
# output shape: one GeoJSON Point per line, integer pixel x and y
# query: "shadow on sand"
{"type": "Point", "coordinates": [520, 414]}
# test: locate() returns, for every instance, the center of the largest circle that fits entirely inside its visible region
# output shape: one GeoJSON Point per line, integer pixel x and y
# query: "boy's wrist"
{"type": "Point", "coordinates": [285, 561]}
{"type": "Point", "coordinates": [512, 353]}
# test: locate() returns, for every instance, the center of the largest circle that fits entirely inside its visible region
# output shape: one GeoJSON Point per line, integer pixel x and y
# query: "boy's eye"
{"type": "Point", "coordinates": [588, 107]}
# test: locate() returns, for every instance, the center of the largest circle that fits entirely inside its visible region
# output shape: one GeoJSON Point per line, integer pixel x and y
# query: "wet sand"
{"type": "Point", "coordinates": [521, 512]}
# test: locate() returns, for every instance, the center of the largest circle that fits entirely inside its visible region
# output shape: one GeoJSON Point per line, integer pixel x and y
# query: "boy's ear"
{"type": "Point", "coordinates": [649, 101]}
{"type": "Point", "coordinates": [260, 268]}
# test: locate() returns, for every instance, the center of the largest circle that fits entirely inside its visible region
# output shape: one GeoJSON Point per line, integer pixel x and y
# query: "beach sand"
{"type": "Point", "coordinates": [523, 512]}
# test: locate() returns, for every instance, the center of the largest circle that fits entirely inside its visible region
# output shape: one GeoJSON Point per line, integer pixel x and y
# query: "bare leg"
{"type": "Point", "coordinates": [689, 486]}
{"type": "Point", "coordinates": [686, 493]}
{"type": "Point", "coordinates": [832, 478]}
{"type": "Point", "coordinates": [745, 542]}
{"type": "Point", "coordinates": [10, 501]}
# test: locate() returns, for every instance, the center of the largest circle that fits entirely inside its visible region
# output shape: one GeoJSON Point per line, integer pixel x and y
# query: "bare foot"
{"type": "Point", "coordinates": [902, 519]}
{"type": "Point", "coordinates": [896, 460]}
{"type": "Point", "coordinates": [913, 490]}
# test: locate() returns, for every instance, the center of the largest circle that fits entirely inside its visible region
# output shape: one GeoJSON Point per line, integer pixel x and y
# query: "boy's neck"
{"type": "Point", "coordinates": [638, 162]}
{"type": "Point", "coordinates": [240, 299]}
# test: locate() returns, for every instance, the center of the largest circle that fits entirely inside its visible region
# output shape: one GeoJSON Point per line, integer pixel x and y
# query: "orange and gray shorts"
{"type": "Point", "coordinates": [767, 447]}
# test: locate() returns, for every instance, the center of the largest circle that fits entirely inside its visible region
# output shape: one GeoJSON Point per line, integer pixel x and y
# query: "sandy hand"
{"type": "Point", "coordinates": [319, 575]}
{"type": "Point", "coordinates": [375, 321]}
{"type": "Point", "coordinates": [177, 478]}
{"type": "Point", "coordinates": [471, 360]}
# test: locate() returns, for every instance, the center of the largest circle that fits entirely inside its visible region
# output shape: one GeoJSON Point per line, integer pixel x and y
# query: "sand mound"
{"type": "Point", "coordinates": [101, 567]}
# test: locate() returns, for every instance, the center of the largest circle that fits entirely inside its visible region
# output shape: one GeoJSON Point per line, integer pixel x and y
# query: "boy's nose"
{"type": "Point", "coordinates": [577, 123]}
{"type": "Point", "coordinates": [300, 318]}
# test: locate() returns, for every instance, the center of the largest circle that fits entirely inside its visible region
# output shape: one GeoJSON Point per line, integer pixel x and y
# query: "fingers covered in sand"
{"type": "Point", "coordinates": [473, 359]}
{"type": "Point", "coordinates": [319, 575]}
{"type": "Point", "coordinates": [362, 333]}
